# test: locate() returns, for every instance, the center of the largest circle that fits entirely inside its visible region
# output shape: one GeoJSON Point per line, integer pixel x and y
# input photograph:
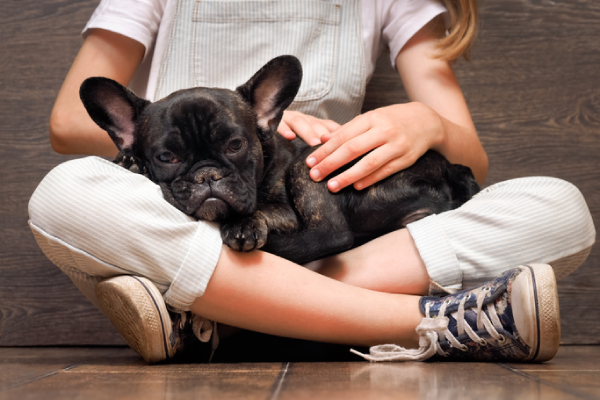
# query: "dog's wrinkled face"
{"type": "Point", "coordinates": [201, 145]}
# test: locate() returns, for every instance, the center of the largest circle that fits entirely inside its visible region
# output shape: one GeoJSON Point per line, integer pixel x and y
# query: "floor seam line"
{"type": "Point", "coordinates": [545, 382]}
{"type": "Point", "coordinates": [279, 381]}
{"type": "Point", "coordinates": [37, 378]}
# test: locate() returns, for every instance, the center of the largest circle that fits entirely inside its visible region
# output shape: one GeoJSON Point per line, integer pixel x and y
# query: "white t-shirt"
{"type": "Point", "coordinates": [385, 24]}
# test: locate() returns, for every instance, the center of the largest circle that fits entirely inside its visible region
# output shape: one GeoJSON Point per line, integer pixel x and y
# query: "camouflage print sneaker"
{"type": "Point", "coordinates": [137, 309]}
{"type": "Point", "coordinates": [514, 317]}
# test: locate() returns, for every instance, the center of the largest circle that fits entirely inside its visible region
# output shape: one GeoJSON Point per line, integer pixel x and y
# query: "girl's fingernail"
{"type": "Point", "coordinates": [315, 174]}
{"type": "Point", "coordinates": [315, 142]}
{"type": "Point", "coordinates": [311, 161]}
{"type": "Point", "coordinates": [333, 185]}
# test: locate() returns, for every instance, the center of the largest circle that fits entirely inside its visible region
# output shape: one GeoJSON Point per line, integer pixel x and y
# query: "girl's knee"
{"type": "Point", "coordinates": [566, 200]}
{"type": "Point", "coordinates": [566, 211]}
{"type": "Point", "coordinates": [69, 190]}
{"type": "Point", "coordinates": [550, 210]}
{"type": "Point", "coordinates": [53, 194]}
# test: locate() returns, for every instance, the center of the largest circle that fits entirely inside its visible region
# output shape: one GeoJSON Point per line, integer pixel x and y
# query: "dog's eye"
{"type": "Point", "coordinates": [167, 157]}
{"type": "Point", "coordinates": [235, 145]}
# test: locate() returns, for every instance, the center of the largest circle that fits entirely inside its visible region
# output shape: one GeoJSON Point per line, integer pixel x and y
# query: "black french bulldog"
{"type": "Point", "coordinates": [217, 157]}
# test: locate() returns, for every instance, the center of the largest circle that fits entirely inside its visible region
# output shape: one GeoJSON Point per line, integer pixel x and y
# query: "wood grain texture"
{"type": "Point", "coordinates": [21, 366]}
{"type": "Point", "coordinates": [105, 373]}
{"type": "Point", "coordinates": [533, 88]}
{"type": "Point", "coordinates": [38, 304]}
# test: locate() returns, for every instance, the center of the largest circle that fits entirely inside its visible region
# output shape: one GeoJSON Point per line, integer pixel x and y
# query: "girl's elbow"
{"type": "Point", "coordinates": [483, 169]}
{"type": "Point", "coordinates": [59, 132]}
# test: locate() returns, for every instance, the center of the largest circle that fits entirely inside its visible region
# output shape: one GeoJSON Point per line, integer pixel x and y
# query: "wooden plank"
{"type": "Point", "coordinates": [411, 380]}
{"type": "Point", "coordinates": [117, 373]}
{"type": "Point", "coordinates": [574, 370]}
{"type": "Point", "coordinates": [22, 366]}
{"type": "Point", "coordinates": [533, 88]}
{"type": "Point", "coordinates": [101, 373]}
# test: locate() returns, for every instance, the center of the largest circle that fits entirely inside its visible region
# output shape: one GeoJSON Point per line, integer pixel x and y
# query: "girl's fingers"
{"type": "Point", "coordinates": [285, 131]}
{"type": "Point", "coordinates": [367, 166]}
{"type": "Point", "coordinates": [387, 169]}
{"type": "Point", "coordinates": [353, 129]}
{"type": "Point", "coordinates": [303, 129]}
{"type": "Point", "coordinates": [325, 138]}
{"type": "Point", "coordinates": [307, 127]}
{"type": "Point", "coordinates": [330, 125]}
{"type": "Point", "coordinates": [310, 132]}
{"type": "Point", "coordinates": [334, 128]}
{"type": "Point", "coordinates": [347, 152]}
{"type": "Point", "coordinates": [318, 129]}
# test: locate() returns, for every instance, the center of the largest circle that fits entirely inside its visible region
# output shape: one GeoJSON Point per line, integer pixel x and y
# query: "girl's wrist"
{"type": "Point", "coordinates": [461, 145]}
{"type": "Point", "coordinates": [436, 127]}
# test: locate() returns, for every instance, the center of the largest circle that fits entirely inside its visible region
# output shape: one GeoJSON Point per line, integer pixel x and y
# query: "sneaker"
{"type": "Point", "coordinates": [137, 309]}
{"type": "Point", "coordinates": [514, 317]}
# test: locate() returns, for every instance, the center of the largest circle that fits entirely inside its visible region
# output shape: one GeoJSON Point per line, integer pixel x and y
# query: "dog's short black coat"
{"type": "Point", "coordinates": [217, 157]}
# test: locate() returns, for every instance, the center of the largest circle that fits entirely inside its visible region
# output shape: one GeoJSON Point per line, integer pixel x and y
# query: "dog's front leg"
{"type": "Point", "coordinates": [309, 245]}
{"type": "Point", "coordinates": [132, 164]}
{"type": "Point", "coordinates": [323, 231]}
{"type": "Point", "coordinates": [251, 233]}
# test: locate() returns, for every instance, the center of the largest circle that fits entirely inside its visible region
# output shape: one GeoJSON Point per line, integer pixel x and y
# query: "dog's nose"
{"type": "Point", "coordinates": [207, 174]}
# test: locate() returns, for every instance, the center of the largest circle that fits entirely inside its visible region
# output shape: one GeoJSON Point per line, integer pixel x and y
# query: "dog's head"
{"type": "Point", "coordinates": [203, 146]}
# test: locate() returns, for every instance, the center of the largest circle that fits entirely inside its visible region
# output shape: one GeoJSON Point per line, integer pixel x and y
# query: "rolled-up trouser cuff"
{"type": "Point", "coordinates": [437, 254]}
{"type": "Point", "coordinates": [515, 222]}
{"type": "Point", "coordinates": [197, 267]}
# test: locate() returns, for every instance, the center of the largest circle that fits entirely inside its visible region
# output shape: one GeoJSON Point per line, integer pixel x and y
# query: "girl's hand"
{"type": "Point", "coordinates": [394, 136]}
{"type": "Point", "coordinates": [309, 128]}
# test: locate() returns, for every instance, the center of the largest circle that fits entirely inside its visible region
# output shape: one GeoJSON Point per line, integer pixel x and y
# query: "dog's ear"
{"type": "Point", "coordinates": [114, 108]}
{"type": "Point", "coordinates": [271, 90]}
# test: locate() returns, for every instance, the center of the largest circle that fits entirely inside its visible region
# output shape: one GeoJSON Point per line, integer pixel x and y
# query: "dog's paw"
{"type": "Point", "coordinates": [245, 235]}
{"type": "Point", "coordinates": [132, 164]}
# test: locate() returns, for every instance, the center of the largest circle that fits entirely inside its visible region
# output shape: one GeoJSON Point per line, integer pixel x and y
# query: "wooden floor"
{"type": "Point", "coordinates": [118, 373]}
{"type": "Point", "coordinates": [533, 89]}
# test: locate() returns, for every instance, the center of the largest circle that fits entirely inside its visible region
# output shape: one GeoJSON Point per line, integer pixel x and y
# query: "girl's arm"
{"type": "Point", "coordinates": [437, 118]}
{"type": "Point", "coordinates": [103, 53]}
{"type": "Point", "coordinates": [431, 81]}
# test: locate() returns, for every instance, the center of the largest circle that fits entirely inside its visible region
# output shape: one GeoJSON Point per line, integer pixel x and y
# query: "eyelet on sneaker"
{"type": "Point", "coordinates": [464, 348]}
{"type": "Point", "coordinates": [482, 342]}
{"type": "Point", "coordinates": [502, 339]}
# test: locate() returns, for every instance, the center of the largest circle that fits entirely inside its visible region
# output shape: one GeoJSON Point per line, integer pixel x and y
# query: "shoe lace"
{"type": "Point", "coordinates": [430, 330]}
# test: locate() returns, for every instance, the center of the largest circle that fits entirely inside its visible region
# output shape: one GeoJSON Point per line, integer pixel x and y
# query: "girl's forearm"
{"type": "Point", "coordinates": [461, 145]}
{"type": "Point", "coordinates": [73, 132]}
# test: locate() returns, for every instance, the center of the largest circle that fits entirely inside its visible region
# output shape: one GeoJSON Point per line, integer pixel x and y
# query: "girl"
{"type": "Point", "coordinates": [132, 254]}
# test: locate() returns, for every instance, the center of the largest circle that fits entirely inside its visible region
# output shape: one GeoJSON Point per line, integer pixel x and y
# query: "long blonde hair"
{"type": "Point", "coordinates": [464, 22]}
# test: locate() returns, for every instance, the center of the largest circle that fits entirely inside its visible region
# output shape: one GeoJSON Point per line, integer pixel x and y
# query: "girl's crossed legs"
{"type": "Point", "coordinates": [95, 220]}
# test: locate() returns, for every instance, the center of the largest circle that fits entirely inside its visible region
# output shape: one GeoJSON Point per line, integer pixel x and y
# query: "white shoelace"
{"type": "Point", "coordinates": [430, 329]}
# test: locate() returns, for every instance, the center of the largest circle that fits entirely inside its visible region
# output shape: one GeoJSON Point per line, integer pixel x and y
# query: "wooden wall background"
{"type": "Point", "coordinates": [533, 88]}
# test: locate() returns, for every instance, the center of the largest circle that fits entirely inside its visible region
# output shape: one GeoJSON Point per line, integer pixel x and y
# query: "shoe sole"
{"type": "Point", "coordinates": [136, 308]}
{"type": "Point", "coordinates": [547, 312]}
